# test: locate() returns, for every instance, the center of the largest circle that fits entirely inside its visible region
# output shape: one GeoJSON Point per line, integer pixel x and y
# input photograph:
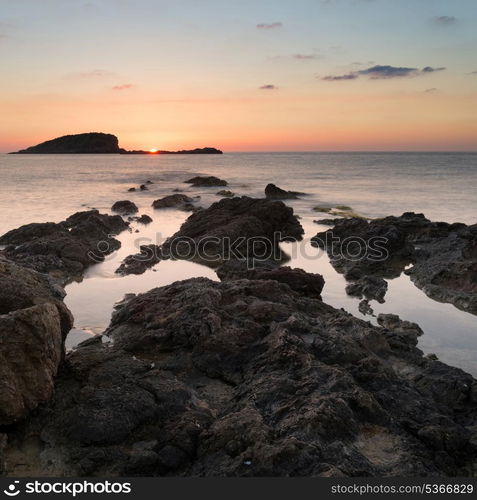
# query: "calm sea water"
{"type": "Point", "coordinates": [443, 186]}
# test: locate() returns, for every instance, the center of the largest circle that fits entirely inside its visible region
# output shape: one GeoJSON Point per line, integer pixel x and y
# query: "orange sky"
{"type": "Point", "coordinates": [194, 78]}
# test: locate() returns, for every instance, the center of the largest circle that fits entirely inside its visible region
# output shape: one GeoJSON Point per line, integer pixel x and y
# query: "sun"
{"type": "Point", "coordinates": [153, 151]}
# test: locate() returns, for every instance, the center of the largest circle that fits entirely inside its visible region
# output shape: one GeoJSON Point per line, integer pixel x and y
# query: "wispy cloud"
{"type": "Point", "coordinates": [94, 73]}
{"type": "Point", "coordinates": [269, 26]}
{"type": "Point", "coordinates": [305, 57]}
{"type": "Point", "coordinates": [124, 86]}
{"type": "Point", "coordinates": [445, 20]}
{"type": "Point", "coordinates": [383, 72]}
{"type": "Point", "coordinates": [431, 91]}
{"type": "Point", "coordinates": [269, 86]}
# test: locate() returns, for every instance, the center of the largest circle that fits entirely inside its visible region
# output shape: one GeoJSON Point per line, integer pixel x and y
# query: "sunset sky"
{"type": "Point", "coordinates": [241, 75]}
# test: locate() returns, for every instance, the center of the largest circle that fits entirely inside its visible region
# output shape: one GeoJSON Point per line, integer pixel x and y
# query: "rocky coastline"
{"type": "Point", "coordinates": [253, 375]}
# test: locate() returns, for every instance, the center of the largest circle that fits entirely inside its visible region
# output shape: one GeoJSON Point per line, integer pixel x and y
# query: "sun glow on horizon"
{"type": "Point", "coordinates": [153, 151]}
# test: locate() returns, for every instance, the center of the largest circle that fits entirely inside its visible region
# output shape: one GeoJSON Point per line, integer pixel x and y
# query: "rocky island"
{"type": "Point", "coordinates": [98, 143]}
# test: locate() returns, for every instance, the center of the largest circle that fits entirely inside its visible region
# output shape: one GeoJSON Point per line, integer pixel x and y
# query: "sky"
{"type": "Point", "coordinates": [242, 75]}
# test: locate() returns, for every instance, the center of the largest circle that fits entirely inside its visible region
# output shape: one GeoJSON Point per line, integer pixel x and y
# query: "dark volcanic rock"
{"type": "Point", "coordinates": [124, 207]}
{"type": "Point", "coordinates": [179, 201]}
{"type": "Point", "coordinates": [225, 193]}
{"type": "Point", "coordinates": [273, 192]}
{"type": "Point", "coordinates": [33, 325]}
{"type": "Point", "coordinates": [143, 219]}
{"type": "Point", "coordinates": [149, 256]}
{"type": "Point", "coordinates": [65, 249]}
{"type": "Point", "coordinates": [444, 256]}
{"type": "Point", "coordinates": [90, 143]}
{"type": "Point", "coordinates": [249, 378]}
{"type": "Point", "coordinates": [235, 228]}
{"type": "Point", "coordinates": [308, 284]}
{"type": "Point", "coordinates": [370, 287]}
{"type": "Point", "coordinates": [206, 181]}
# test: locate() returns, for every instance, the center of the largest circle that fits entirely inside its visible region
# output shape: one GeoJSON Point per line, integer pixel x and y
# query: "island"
{"type": "Point", "coordinates": [98, 143]}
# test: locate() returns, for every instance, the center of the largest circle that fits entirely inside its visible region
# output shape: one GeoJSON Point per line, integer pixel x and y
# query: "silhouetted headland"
{"type": "Point", "coordinates": [98, 143]}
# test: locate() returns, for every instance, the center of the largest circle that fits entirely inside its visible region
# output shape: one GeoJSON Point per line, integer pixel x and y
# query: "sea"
{"type": "Point", "coordinates": [443, 186]}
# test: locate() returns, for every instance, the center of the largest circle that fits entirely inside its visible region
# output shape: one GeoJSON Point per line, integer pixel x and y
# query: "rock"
{"type": "Point", "coordinates": [143, 219]}
{"type": "Point", "coordinates": [365, 309]}
{"type": "Point", "coordinates": [179, 201]}
{"type": "Point", "coordinates": [240, 228]}
{"type": "Point", "coordinates": [444, 256]}
{"type": "Point", "coordinates": [206, 181]}
{"type": "Point", "coordinates": [250, 378]}
{"type": "Point", "coordinates": [89, 143]}
{"type": "Point", "coordinates": [34, 323]}
{"type": "Point", "coordinates": [310, 285]}
{"type": "Point", "coordinates": [131, 190]}
{"type": "Point", "coordinates": [143, 187]}
{"type": "Point", "coordinates": [370, 287]}
{"type": "Point", "coordinates": [65, 249]}
{"type": "Point", "coordinates": [124, 207]}
{"type": "Point", "coordinates": [149, 256]}
{"type": "Point", "coordinates": [149, 182]}
{"type": "Point", "coordinates": [273, 192]}
{"type": "Point", "coordinates": [3, 445]}
{"type": "Point", "coordinates": [226, 193]}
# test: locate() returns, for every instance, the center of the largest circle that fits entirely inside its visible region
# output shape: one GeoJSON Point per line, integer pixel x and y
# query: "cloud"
{"type": "Point", "coordinates": [94, 73]}
{"type": "Point", "coordinates": [445, 20]}
{"type": "Point", "coordinates": [269, 86]}
{"type": "Point", "coordinates": [124, 86]}
{"type": "Point", "coordinates": [305, 56]}
{"type": "Point", "coordinates": [269, 26]}
{"type": "Point", "coordinates": [430, 69]}
{"type": "Point", "coordinates": [383, 72]}
{"type": "Point", "coordinates": [338, 78]}
{"type": "Point", "coordinates": [431, 91]}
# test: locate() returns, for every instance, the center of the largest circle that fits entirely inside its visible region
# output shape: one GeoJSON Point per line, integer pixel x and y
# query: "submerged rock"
{"type": "Point", "coordinates": [273, 192]}
{"type": "Point", "coordinates": [225, 193]}
{"type": "Point", "coordinates": [65, 249]}
{"type": "Point", "coordinates": [250, 378]}
{"type": "Point", "coordinates": [124, 207]}
{"type": "Point", "coordinates": [143, 219]}
{"type": "Point", "coordinates": [179, 201]}
{"type": "Point", "coordinates": [210, 180]}
{"type": "Point", "coordinates": [34, 323]}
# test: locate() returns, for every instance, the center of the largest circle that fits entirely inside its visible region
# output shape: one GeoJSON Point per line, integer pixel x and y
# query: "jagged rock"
{"type": "Point", "coordinates": [365, 309]}
{"type": "Point", "coordinates": [179, 201]}
{"type": "Point", "coordinates": [444, 256]}
{"type": "Point", "coordinates": [273, 192]}
{"type": "Point", "coordinates": [149, 256]}
{"type": "Point", "coordinates": [235, 228]}
{"type": "Point", "coordinates": [200, 181]}
{"type": "Point", "coordinates": [249, 378]}
{"type": "Point", "coordinates": [65, 249]}
{"type": "Point", "coordinates": [370, 287]}
{"type": "Point", "coordinates": [308, 284]}
{"type": "Point", "coordinates": [124, 207]}
{"type": "Point", "coordinates": [34, 323]}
